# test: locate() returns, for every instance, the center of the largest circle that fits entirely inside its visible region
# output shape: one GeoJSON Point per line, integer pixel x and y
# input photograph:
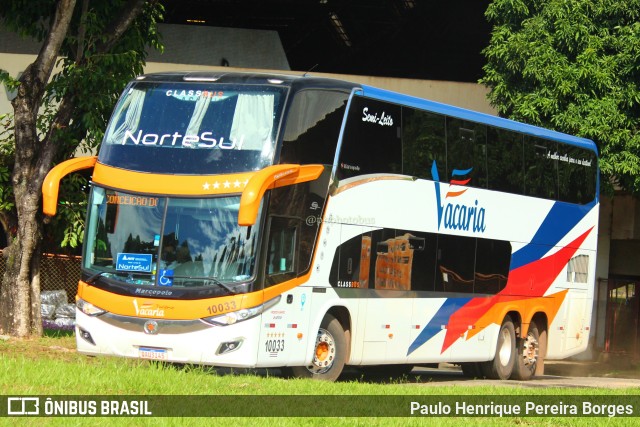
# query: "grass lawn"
{"type": "Point", "coordinates": [50, 366]}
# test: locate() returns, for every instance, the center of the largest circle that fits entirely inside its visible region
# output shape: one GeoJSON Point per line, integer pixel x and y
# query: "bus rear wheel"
{"type": "Point", "coordinates": [528, 354]}
{"type": "Point", "coordinates": [329, 353]}
{"type": "Point", "coordinates": [501, 367]}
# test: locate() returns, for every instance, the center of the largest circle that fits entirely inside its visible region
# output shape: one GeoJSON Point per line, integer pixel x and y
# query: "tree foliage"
{"type": "Point", "coordinates": [96, 59]}
{"type": "Point", "coordinates": [95, 47]}
{"type": "Point", "coordinates": [572, 66]}
{"type": "Point", "coordinates": [62, 233]}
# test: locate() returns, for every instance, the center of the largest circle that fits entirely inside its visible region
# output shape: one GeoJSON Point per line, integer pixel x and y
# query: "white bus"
{"type": "Point", "coordinates": [251, 220]}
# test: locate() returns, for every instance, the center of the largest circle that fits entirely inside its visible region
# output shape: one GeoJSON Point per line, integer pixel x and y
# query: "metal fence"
{"type": "Point", "coordinates": [56, 272]}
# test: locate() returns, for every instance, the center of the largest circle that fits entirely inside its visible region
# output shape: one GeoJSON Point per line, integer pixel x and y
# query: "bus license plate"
{"type": "Point", "coordinates": [153, 353]}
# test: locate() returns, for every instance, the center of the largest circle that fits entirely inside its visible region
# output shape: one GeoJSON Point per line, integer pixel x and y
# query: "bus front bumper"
{"type": "Point", "coordinates": [180, 341]}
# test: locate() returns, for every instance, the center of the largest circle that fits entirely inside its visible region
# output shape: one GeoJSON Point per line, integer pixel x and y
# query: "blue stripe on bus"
{"type": "Point", "coordinates": [560, 220]}
{"type": "Point", "coordinates": [450, 306]}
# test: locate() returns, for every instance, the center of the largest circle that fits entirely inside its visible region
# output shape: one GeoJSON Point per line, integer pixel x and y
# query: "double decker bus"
{"type": "Point", "coordinates": [253, 220]}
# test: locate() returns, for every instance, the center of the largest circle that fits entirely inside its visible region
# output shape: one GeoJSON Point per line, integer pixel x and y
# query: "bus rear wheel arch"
{"type": "Point", "coordinates": [329, 352]}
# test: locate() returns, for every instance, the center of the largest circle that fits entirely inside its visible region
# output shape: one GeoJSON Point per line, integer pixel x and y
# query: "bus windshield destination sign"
{"type": "Point", "coordinates": [118, 199]}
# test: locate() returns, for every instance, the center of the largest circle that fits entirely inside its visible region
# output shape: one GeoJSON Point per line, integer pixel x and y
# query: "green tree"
{"type": "Point", "coordinates": [572, 66]}
{"type": "Point", "coordinates": [97, 47]}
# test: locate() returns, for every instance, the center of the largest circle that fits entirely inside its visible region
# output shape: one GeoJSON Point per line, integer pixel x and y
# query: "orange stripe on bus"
{"type": "Point", "coordinates": [527, 307]}
{"type": "Point", "coordinates": [174, 309]}
{"type": "Point", "coordinates": [188, 185]}
{"type": "Point", "coordinates": [455, 193]}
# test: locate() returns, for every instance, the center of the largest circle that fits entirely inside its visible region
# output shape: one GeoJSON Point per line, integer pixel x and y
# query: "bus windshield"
{"type": "Point", "coordinates": [193, 128]}
{"type": "Point", "coordinates": [177, 242]}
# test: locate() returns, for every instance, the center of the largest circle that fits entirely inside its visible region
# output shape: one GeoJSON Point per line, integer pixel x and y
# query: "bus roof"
{"type": "Point", "coordinates": [289, 80]}
{"type": "Point", "coordinates": [436, 107]}
{"type": "Point", "coordinates": [300, 82]}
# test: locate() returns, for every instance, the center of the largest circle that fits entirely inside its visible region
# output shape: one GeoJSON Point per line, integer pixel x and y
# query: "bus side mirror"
{"type": "Point", "coordinates": [51, 183]}
{"type": "Point", "coordinates": [271, 177]}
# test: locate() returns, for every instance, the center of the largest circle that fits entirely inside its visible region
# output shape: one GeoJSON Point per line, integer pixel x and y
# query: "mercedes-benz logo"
{"type": "Point", "coordinates": [151, 327]}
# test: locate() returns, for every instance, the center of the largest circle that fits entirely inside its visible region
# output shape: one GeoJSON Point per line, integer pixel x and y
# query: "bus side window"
{"type": "Point", "coordinates": [313, 126]}
{"type": "Point", "coordinates": [460, 139]}
{"type": "Point", "coordinates": [455, 263]}
{"type": "Point", "coordinates": [577, 169]}
{"type": "Point", "coordinates": [423, 142]}
{"type": "Point", "coordinates": [493, 258]}
{"type": "Point", "coordinates": [281, 250]}
{"type": "Point", "coordinates": [372, 142]}
{"type": "Point", "coordinates": [467, 150]}
{"type": "Point", "coordinates": [505, 160]}
{"type": "Point", "coordinates": [541, 168]}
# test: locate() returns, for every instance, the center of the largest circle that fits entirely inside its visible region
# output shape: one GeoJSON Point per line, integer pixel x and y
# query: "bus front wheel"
{"type": "Point", "coordinates": [329, 353]}
{"type": "Point", "coordinates": [501, 367]}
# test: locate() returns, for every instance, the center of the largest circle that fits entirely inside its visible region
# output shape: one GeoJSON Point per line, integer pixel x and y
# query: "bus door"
{"type": "Point", "coordinates": [576, 313]}
{"type": "Point", "coordinates": [283, 334]}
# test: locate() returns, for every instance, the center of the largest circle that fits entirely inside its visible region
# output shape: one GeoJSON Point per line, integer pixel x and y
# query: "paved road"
{"type": "Point", "coordinates": [453, 376]}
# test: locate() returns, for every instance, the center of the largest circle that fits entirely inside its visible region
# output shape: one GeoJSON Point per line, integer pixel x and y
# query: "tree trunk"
{"type": "Point", "coordinates": [20, 290]}
{"type": "Point", "coordinates": [20, 315]}
{"type": "Point", "coordinates": [20, 294]}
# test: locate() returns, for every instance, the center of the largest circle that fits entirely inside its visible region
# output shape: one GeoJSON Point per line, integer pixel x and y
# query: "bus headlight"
{"type": "Point", "coordinates": [88, 308]}
{"type": "Point", "coordinates": [240, 315]}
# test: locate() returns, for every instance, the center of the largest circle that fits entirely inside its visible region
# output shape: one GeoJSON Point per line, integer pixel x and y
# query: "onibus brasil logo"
{"type": "Point", "coordinates": [457, 216]}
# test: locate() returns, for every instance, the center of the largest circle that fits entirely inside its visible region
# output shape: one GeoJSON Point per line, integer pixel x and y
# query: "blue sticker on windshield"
{"type": "Point", "coordinates": [166, 278]}
{"type": "Point", "coordinates": [135, 263]}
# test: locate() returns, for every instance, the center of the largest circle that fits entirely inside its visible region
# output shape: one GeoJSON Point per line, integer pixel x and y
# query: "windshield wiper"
{"type": "Point", "coordinates": [222, 285]}
{"type": "Point", "coordinates": [93, 278]}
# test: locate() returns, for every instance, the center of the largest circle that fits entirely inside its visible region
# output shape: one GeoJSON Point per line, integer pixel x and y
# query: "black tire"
{"type": "Point", "coordinates": [501, 367]}
{"type": "Point", "coordinates": [330, 353]}
{"type": "Point", "coordinates": [472, 369]}
{"type": "Point", "coordinates": [527, 354]}
{"type": "Point", "coordinates": [542, 352]}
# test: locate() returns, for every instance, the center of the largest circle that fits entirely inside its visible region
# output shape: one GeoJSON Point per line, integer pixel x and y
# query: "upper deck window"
{"type": "Point", "coordinates": [193, 128]}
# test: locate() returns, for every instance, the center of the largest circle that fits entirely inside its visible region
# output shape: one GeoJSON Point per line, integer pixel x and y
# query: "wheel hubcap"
{"type": "Point", "coordinates": [324, 354]}
{"type": "Point", "coordinates": [322, 351]}
{"type": "Point", "coordinates": [530, 351]}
